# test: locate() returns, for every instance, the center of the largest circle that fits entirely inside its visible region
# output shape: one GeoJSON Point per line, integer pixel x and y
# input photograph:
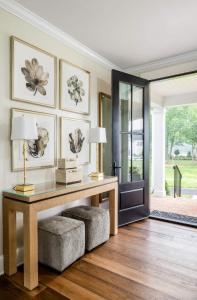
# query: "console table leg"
{"type": "Point", "coordinates": [113, 210]}
{"type": "Point", "coordinates": [30, 248]}
{"type": "Point", "coordinates": [9, 239]}
{"type": "Point", "coordinates": [95, 200]}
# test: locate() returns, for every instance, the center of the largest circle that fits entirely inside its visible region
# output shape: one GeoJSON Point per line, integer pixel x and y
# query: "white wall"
{"type": "Point", "coordinates": [100, 81]}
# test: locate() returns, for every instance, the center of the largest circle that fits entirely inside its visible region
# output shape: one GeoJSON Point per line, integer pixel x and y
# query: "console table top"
{"type": "Point", "coordinates": [52, 189]}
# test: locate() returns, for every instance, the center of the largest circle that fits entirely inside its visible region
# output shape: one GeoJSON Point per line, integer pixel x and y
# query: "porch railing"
{"type": "Point", "coordinates": [177, 181]}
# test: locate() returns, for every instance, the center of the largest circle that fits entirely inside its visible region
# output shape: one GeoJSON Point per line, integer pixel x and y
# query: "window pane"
{"type": "Point", "coordinates": [137, 158]}
{"type": "Point", "coordinates": [125, 158]}
{"type": "Point", "coordinates": [125, 106]}
{"type": "Point", "coordinates": [137, 109]}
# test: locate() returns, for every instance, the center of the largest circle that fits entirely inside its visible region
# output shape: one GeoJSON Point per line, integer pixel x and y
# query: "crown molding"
{"type": "Point", "coordinates": [162, 63]}
{"type": "Point", "coordinates": [26, 15]}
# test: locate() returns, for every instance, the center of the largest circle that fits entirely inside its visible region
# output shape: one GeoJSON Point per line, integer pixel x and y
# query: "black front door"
{"type": "Point", "coordinates": [130, 143]}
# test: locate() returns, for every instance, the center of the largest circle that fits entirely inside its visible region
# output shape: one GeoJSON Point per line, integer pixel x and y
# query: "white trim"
{"type": "Point", "coordinates": [1, 265]}
{"type": "Point", "coordinates": [26, 15]}
{"type": "Point", "coordinates": [162, 63]}
{"type": "Point", "coordinates": [184, 99]}
{"type": "Point", "coordinates": [158, 193]}
{"type": "Point", "coordinates": [19, 259]}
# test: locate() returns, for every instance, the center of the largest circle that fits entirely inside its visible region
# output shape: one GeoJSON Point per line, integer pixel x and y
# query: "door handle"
{"type": "Point", "coordinates": [115, 167]}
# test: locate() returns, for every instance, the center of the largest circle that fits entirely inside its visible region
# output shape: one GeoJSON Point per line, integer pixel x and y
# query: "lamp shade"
{"type": "Point", "coordinates": [97, 135]}
{"type": "Point", "coordinates": [24, 128]}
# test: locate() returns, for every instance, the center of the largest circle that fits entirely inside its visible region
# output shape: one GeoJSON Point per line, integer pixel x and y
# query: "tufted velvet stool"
{"type": "Point", "coordinates": [61, 241]}
{"type": "Point", "coordinates": [96, 221]}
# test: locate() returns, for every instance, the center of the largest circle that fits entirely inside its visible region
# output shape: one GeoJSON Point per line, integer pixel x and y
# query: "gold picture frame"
{"type": "Point", "coordinates": [23, 111]}
{"type": "Point", "coordinates": [61, 136]}
{"type": "Point", "coordinates": [102, 97]}
{"type": "Point", "coordinates": [15, 97]}
{"type": "Point", "coordinates": [64, 107]}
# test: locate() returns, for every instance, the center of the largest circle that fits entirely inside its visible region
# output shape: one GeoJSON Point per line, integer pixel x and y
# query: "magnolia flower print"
{"type": "Point", "coordinates": [75, 89]}
{"type": "Point", "coordinates": [36, 78]}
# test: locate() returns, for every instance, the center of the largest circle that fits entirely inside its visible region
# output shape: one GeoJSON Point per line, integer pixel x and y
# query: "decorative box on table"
{"type": "Point", "coordinates": [68, 172]}
{"type": "Point", "coordinates": [67, 163]}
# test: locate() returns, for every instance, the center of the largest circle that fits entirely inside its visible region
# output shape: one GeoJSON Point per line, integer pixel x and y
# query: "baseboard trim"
{"type": "Point", "coordinates": [19, 259]}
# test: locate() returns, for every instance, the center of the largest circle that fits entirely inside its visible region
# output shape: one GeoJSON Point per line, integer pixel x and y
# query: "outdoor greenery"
{"type": "Point", "coordinates": [181, 127]}
{"type": "Point", "coordinates": [188, 169]}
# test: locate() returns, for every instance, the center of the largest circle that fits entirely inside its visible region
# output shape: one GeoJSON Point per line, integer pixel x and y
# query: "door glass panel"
{"type": "Point", "coordinates": [125, 106]}
{"type": "Point", "coordinates": [137, 109]}
{"type": "Point", "coordinates": [125, 158]}
{"type": "Point", "coordinates": [137, 158]}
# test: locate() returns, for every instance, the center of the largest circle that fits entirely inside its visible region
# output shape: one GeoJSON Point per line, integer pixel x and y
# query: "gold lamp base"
{"type": "Point", "coordinates": [24, 187]}
{"type": "Point", "coordinates": [97, 175]}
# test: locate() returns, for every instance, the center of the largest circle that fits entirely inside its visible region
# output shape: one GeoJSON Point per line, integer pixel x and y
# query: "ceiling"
{"type": "Point", "coordinates": [128, 33]}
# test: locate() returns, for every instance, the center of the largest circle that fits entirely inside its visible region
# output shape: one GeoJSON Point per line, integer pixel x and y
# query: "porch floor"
{"type": "Point", "coordinates": [183, 206]}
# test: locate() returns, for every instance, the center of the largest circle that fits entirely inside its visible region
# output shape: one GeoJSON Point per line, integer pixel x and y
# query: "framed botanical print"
{"type": "Point", "coordinates": [41, 153]}
{"type": "Point", "coordinates": [34, 74]}
{"type": "Point", "coordinates": [75, 140]}
{"type": "Point", "coordinates": [74, 88]}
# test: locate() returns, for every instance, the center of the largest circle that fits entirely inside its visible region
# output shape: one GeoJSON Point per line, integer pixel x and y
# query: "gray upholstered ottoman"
{"type": "Point", "coordinates": [61, 241]}
{"type": "Point", "coordinates": [96, 223]}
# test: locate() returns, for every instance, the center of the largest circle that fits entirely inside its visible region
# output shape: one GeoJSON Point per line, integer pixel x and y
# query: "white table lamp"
{"type": "Point", "coordinates": [24, 129]}
{"type": "Point", "coordinates": [98, 136]}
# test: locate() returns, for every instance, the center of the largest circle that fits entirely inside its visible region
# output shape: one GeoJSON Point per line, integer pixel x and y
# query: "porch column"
{"type": "Point", "coordinates": [158, 151]}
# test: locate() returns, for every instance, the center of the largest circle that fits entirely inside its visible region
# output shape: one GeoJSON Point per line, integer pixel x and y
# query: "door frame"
{"type": "Point", "coordinates": [150, 80]}
{"type": "Point", "coordinates": [160, 79]}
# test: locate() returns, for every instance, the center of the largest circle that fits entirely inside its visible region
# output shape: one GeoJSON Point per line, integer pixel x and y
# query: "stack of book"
{"type": "Point", "coordinates": [68, 172]}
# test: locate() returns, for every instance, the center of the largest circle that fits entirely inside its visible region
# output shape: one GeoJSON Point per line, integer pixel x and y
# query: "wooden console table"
{"type": "Point", "coordinates": [44, 197]}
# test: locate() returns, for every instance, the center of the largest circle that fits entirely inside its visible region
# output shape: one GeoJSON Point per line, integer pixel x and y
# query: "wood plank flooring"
{"type": "Point", "coordinates": [146, 260]}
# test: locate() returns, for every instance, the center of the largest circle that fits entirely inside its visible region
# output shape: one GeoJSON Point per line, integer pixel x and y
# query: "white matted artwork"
{"type": "Point", "coordinates": [75, 140]}
{"type": "Point", "coordinates": [74, 88]}
{"type": "Point", "coordinates": [41, 153]}
{"type": "Point", "coordinates": [33, 74]}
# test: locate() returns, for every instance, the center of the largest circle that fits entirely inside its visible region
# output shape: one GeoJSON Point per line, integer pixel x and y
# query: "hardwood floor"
{"type": "Point", "coordinates": [146, 260]}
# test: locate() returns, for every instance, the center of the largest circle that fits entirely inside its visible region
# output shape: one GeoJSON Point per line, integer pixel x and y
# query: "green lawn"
{"type": "Point", "coordinates": [188, 169]}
